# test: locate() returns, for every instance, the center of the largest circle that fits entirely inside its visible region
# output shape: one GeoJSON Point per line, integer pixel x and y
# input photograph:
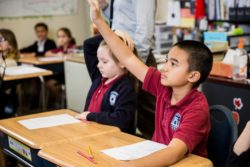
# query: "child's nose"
{"type": "Point", "coordinates": [164, 68]}
{"type": "Point", "coordinates": [98, 65]}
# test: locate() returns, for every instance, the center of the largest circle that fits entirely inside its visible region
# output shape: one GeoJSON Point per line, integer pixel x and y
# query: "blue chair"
{"type": "Point", "coordinates": [224, 133]}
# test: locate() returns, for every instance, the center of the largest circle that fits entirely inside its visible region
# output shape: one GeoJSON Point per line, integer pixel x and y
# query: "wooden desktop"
{"type": "Point", "coordinates": [33, 140]}
{"type": "Point", "coordinates": [66, 154]}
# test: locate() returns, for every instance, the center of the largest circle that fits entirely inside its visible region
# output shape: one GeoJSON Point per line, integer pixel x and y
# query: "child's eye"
{"type": "Point", "coordinates": [173, 64]}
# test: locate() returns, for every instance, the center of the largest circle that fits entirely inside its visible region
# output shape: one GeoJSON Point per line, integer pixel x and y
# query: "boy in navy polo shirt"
{"type": "Point", "coordinates": [182, 112]}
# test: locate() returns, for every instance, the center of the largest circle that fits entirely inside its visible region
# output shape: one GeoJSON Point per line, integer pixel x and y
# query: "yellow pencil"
{"type": "Point", "coordinates": [90, 152]}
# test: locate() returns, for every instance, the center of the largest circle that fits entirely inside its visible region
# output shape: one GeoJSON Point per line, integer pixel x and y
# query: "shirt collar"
{"type": "Point", "coordinates": [103, 80]}
{"type": "Point", "coordinates": [188, 98]}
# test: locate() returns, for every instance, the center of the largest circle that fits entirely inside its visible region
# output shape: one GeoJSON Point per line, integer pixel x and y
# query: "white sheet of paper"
{"type": "Point", "coordinates": [49, 121]}
{"type": "Point", "coordinates": [52, 58]}
{"type": "Point", "coordinates": [21, 70]}
{"type": "Point", "coordinates": [134, 151]}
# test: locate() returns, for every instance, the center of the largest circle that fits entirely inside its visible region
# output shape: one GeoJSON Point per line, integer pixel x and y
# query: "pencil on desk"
{"type": "Point", "coordinates": [90, 152]}
{"type": "Point", "coordinates": [87, 157]}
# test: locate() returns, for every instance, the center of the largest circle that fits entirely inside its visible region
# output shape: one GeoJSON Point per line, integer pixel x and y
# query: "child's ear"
{"type": "Point", "coordinates": [194, 76]}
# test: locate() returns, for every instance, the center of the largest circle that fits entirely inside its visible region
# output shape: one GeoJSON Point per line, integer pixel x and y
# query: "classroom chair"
{"type": "Point", "coordinates": [223, 134]}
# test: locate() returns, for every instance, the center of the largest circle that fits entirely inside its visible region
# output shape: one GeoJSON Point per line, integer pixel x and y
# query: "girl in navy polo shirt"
{"type": "Point", "coordinates": [111, 99]}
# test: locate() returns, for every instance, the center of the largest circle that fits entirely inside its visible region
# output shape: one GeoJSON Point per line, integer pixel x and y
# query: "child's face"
{"type": "Point", "coordinates": [41, 33]}
{"type": "Point", "coordinates": [63, 39]}
{"type": "Point", "coordinates": [106, 65]}
{"type": "Point", "coordinates": [175, 73]}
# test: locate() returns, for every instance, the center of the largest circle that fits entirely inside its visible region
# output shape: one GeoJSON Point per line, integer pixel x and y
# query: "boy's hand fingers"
{"type": "Point", "coordinates": [94, 9]}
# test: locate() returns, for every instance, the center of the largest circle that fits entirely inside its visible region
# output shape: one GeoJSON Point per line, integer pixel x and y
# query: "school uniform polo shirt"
{"type": "Point", "coordinates": [96, 100]}
{"type": "Point", "coordinates": [188, 120]}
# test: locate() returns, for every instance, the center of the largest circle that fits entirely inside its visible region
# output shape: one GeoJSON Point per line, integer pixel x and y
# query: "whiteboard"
{"type": "Point", "coordinates": [22, 8]}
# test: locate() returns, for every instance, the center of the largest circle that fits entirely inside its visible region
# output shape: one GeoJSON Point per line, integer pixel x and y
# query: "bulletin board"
{"type": "Point", "coordinates": [29, 8]}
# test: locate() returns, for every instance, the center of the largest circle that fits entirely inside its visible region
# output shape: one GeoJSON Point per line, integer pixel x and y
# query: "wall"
{"type": "Point", "coordinates": [23, 27]}
{"type": "Point", "coordinates": [79, 23]}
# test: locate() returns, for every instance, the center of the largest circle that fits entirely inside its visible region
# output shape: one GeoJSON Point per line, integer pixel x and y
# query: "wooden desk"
{"type": "Point", "coordinates": [77, 59]}
{"type": "Point", "coordinates": [77, 80]}
{"type": "Point", "coordinates": [192, 160]}
{"type": "Point", "coordinates": [66, 155]}
{"type": "Point", "coordinates": [36, 139]}
{"type": "Point", "coordinates": [54, 64]}
{"type": "Point", "coordinates": [36, 61]}
{"type": "Point", "coordinates": [8, 78]}
{"type": "Point", "coordinates": [26, 76]}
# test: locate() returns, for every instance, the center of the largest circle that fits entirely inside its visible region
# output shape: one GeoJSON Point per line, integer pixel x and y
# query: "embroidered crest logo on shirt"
{"type": "Point", "coordinates": [176, 121]}
{"type": "Point", "coordinates": [112, 98]}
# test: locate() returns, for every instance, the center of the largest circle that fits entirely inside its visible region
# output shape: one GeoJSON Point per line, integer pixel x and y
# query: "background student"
{"type": "Point", "coordinates": [179, 103]}
{"type": "Point", "coordinates": [111, 99]}
{"type": "Point", "coordinates": [43, 43]}
{"type": "Point", "coordinates": [65, 42]}
{"type": "Point", "coordinates": [240, 154]}
{"type": "Point", "coordinates": [8, 96]}
{"type": "Point", "coordinates": [9, 52]}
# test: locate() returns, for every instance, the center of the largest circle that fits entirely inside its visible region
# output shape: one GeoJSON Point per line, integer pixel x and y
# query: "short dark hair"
{"type": "Point", "coordinates": [200, 58]}
{"type": "Point", "coordinates": [41, 25]}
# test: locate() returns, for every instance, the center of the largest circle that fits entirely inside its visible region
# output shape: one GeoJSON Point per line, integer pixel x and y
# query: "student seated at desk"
{"type": "Point", "coordinates": [111, 99]}
{"type": "Point", "coordinates": [240, 153]}
{"type": "Point", "coordinates": [42, 45]}
{"type": "Point", "coordinates": [182, 112]}
{"type": "Point", "coordinates": [65, 42]}
{"type": "Point", "coordinates": [9, 52]}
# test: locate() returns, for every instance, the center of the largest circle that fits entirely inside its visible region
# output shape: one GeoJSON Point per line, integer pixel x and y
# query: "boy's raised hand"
{"type": "Point", "coordinates": [95, 13]}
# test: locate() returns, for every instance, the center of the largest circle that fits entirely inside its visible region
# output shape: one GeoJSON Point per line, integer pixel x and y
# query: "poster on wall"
{"type": "Point", "coordinates": [29, 8]}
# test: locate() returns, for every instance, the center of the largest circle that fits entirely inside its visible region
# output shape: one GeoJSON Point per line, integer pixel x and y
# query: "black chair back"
{"type": "Point", "coordinates": [223, 134]}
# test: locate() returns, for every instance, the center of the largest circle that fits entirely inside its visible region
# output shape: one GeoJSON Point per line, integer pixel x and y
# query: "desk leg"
{"type": "Point", "coordinates": [20, 99]}
{"type": "Point", "coordinates": [43, 93]}
{"type": "Point", "coordinates": [2, 158]}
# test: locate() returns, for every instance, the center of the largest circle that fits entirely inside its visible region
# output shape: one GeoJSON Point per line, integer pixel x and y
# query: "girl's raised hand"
{"type": "Point", "coordinates": [95, 13]}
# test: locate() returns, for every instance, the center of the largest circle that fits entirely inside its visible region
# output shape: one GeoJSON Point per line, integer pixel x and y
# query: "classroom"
{"type": "Point", "coordinates": [125, 83]}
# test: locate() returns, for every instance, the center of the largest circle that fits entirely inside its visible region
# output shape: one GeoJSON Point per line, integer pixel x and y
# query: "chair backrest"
{"type": "Point", "coordinates": [224, 133]}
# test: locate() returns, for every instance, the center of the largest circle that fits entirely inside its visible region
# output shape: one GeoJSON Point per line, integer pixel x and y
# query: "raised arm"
{"type": "Point", "coordinates": [120, 50]}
